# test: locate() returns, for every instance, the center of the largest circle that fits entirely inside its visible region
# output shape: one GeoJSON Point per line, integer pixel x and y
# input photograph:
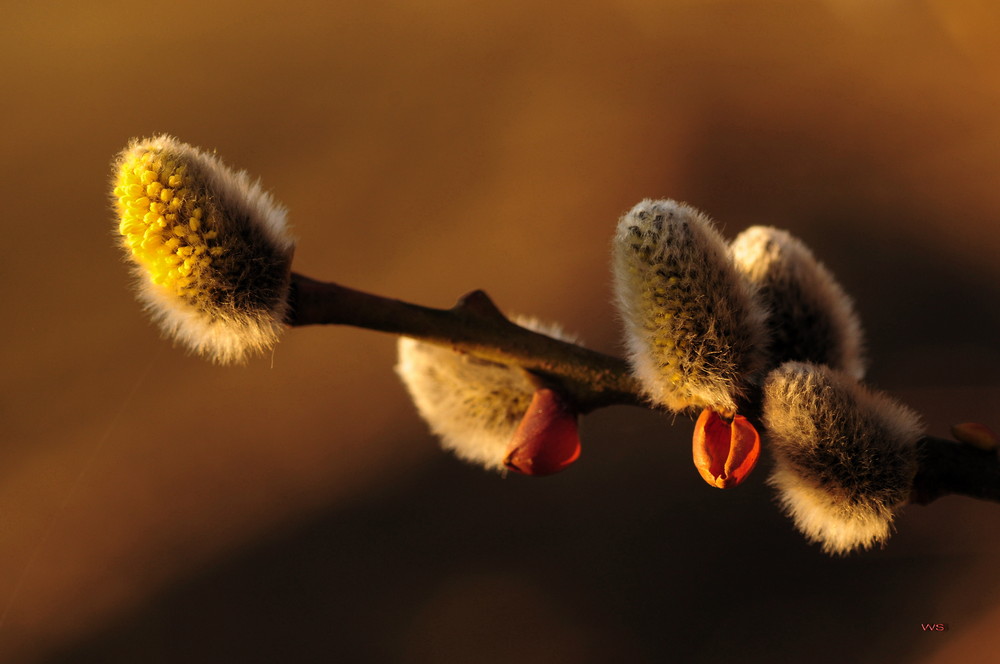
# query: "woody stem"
{"type": "Point", "coordinates": [474, 325]}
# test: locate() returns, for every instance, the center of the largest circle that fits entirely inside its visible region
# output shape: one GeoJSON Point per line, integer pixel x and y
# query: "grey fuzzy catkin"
{"type": "Point", "coordinates": [845, 455]}
{"type": "Point", "coordinates": [472, 405]}
{"type": "Point", "coordinates": [695, 334]}
{"type": "Point", "coordinates": [810, 318]}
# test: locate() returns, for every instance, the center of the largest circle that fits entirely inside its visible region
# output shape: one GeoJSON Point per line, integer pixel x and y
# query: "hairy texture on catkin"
{"type": "Point", "coordinates": [845, 455]}
{"type": "Point", "coordinates": [694, 332]}
{"type": "Point", "coordinates": [474, 406]}
{"type": "Point", "coordinates": [810, 317]}
{"type": "Point", "coordinates": [209, 248]}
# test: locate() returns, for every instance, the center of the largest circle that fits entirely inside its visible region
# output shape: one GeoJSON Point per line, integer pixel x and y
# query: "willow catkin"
{"type": "Point", "coordinates": [694, 331]}
{"type": "Point", "coordinates": [208, 246]}
{"type": "Point", "coordinates": [845, 455]}
{"type": "Point", "coordinates": [472, 405]}
{"type": "Point", "coordinates": [810, 318]}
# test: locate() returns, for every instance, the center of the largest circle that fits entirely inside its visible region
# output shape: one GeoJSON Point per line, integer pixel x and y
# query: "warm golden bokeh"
{"type": "Point", "coordinates": [154, 507]}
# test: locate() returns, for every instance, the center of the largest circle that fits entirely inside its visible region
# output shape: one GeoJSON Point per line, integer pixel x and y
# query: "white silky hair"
{"type": "Point", "coordinates": [249, 284]}
{"type": "Point", "coordinates": [845, 455]}
{"type": "Point", "coordinates": [694, 332]}
{"type": "Point", "coordinates": [811, 318]}
{"type": "Point", "coordinates": [472, 405]}
{"type": "Point", "coordinates": [224, 337]}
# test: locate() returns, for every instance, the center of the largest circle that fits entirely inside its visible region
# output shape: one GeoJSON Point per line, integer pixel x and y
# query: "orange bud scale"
{"type": "Point", "coordinates": [977, 435]}
{"type": "Point", "coordinates": [725, 451]}
{"type": "Point", "coordinates": [547, 440]}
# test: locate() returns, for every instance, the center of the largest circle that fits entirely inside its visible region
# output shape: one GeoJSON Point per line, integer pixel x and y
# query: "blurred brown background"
{"type": "Point", "coordinates": [154, 508]}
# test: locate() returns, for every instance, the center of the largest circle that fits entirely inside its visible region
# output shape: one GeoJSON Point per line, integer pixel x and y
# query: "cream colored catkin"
{"type": "Point", "coordinates": [694, 331]}
{"type": "Point", "coordinates": [472, 405]}
{"type": "Point", "coordinates": [845, 455]}
{"type": "Point", "coordinates": [810, 317]}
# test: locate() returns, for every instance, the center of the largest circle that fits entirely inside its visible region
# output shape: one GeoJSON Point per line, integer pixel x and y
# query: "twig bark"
{"type": "Point", "coordinates": [476, 326]}
{"type": "Point", "coordinates": [590, 379]}
{"type": "Point", "coordinates": [946, 467]}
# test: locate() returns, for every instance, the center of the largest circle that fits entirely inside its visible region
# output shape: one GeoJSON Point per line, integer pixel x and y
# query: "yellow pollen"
{"type": "Point", "coordinates": [153, 205]}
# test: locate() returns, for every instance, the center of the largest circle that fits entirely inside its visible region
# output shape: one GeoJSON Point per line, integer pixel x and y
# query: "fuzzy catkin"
{"type": "Point", "coordinates": [694, 332]}
{"type": "Point", "coordinates": [810, 318]}
{"type": "Point", "coordinates": [472, 405]}
{"type": "Point", "coordinates": [845, 455]}
{"type": "Point", "coordinates": [209, 248]}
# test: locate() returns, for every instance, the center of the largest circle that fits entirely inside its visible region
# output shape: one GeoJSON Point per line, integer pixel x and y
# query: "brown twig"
{"type": "Point", "coordinates": [592, 380]}
{"type": "Point", "coordinates": [476, 326]}
{"type": "Point", "coordinates": [946, 467]}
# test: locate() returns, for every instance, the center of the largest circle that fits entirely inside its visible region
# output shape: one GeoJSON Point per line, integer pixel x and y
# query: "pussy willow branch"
{"type": "Point", "coordinates": [474, 325]}
{"type": "Point", "coordinates": [591, 379]}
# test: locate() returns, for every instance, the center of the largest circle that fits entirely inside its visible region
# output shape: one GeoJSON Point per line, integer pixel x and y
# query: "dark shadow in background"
{"type": "Point", "coordinates": [619, 563]}
{"type": "Point", "coordinates": [851, 207]}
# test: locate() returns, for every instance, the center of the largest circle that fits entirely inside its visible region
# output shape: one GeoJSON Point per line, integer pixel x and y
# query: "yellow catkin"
{"type": "Point", "coordinates": [152, 201]}
{"type": "Point", "coordinates": [208, 247]}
